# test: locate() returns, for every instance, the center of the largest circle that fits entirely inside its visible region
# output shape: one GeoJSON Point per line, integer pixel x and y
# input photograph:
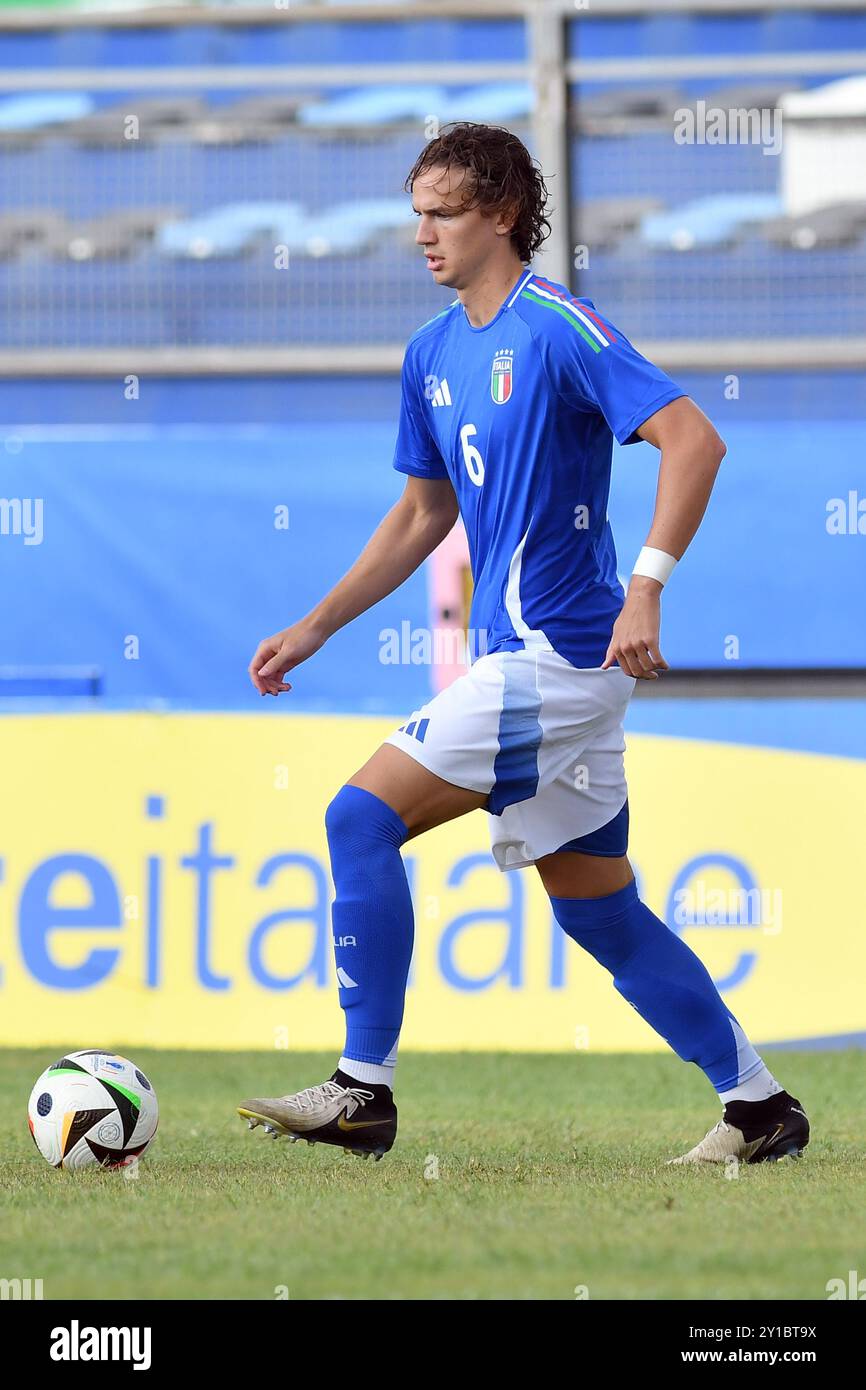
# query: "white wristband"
{"type": "Point", "coordinates": [654, 564]}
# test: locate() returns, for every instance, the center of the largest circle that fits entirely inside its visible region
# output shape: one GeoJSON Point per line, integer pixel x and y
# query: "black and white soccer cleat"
{"type": "Point", "coordinates": [778, 1130]}
{"type": "Point", "coordinates": [360, 1118]}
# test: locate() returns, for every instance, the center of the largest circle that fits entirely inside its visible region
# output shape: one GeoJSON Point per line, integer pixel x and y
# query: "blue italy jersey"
{"type": "Point", "coordinates": [521, 415]}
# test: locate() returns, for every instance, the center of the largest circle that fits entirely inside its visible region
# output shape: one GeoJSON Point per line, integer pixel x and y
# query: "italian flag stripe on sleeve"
{"type": "Point", "coordinates": [587, 324]}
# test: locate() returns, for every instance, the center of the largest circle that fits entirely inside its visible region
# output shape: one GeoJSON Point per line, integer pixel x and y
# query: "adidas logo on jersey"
{"type": "Point", "coordinates": [443, 395]}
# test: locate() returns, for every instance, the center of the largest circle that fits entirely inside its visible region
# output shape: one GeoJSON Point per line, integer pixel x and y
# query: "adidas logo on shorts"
{"type": "Point", "coordinates": [417, 729]}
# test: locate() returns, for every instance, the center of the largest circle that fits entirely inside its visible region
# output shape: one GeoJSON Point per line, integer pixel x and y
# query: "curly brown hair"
{"type": "Point", "coordinates": [503, 177]}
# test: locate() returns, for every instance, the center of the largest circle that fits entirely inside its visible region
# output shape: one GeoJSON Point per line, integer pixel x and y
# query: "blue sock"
{"type": "Point", "coordinates": [373, 922]}
{"type": "Point", "coordinates": [663, 979]}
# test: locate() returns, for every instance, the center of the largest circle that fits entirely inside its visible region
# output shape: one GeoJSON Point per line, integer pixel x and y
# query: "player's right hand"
{"type": "Point", "coordinates": [276, 656]}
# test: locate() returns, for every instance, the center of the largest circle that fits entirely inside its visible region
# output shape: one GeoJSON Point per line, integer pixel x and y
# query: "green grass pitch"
{"type": "Point", "coordinates": [551, 1180]}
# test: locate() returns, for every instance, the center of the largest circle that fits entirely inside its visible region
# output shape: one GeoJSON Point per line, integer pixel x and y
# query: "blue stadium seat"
{"type": "Point", "coordinates": [375, 106]}
{"type": "Point", "coordinates": [229, 230]}
{"type": "Point", "coordinates": [39, 109]}
{"type": "Point", "coordinates": [499, 101]}
{"type": "Point", "coordinates": [350, 227]}
{"type": "Point", "coordinates": [713, 221]}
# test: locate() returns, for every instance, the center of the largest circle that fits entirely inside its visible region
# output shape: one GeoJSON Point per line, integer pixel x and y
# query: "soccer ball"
{"type": "Point", "coordinates": [92, 1107]}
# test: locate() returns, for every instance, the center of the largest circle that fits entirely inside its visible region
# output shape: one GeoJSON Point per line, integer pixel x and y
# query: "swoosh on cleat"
{"type": "Point", "coordinates": [768, 1143]}
{"type": "Point", "coordinates": [346, 1125]}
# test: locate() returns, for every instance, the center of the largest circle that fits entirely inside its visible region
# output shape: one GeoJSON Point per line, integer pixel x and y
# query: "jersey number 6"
{"type": "Point", "coordinates": [471, 457]}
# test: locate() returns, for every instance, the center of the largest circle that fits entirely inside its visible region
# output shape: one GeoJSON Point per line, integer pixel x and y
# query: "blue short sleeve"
{"type": "Point", "coordinates": [595, 367]}
{"type": "Point", "coordinates": [416, 451]}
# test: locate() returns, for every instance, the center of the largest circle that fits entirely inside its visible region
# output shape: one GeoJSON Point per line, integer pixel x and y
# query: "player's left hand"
{"type": "Point", "coordinates": [634, 643]}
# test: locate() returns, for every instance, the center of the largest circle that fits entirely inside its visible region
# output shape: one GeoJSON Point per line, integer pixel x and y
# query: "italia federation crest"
{"type": "Point", "coordinates": [502, 376]}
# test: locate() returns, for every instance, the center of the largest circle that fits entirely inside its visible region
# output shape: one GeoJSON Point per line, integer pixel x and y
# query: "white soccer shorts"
{"type": "Point", "coordinates": [542, 737]}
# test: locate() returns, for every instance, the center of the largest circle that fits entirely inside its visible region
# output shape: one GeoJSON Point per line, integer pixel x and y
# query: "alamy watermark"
{"type": "Point", "coordinates": [424, 646]}
{"type": "Point", "coordinates": [854, 1287]}
{"type": "Point", "coordinates": [729, 907]}
{"type": "Point", "coordinates": [21, 1289]}
{"type": "Point", "coordinates": [846, 516]}
{"type": "Point", "coordinates": [702, 124]}
{"type": "Point", "coordinates": [22, 516]}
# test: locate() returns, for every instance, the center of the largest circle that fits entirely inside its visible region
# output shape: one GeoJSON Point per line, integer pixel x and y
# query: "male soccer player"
{"type": "Point", "coordinates": [511, 398]}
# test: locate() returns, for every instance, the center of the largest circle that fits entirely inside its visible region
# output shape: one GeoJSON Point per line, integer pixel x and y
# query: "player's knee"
{"type": "Point", "coordinates": [358, 821]}
{"type": "Point", "coordinates": [338, 817]}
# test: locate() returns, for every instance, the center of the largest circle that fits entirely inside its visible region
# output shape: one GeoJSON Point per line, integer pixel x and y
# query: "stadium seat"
{"type": "Point", "coordinates": [22, 228]}
{"type": "Point", "coordinates": [144, 221]}
{"type": "Point", "coordinates": [347, 228]}
{"type": "Point", "coordinates": [114, 236]}
{"type": "Point", "coordinates": [98, 239]}
{"type": "Point", "coordinates": [713, 221]}
{"type": "Point", "coordinates": [598, 111]}
{"type": "Point", "coordinates": [252, 120]}
{"type": "Point", "coordinates": [157, 118]}
{"type": "Point", "coordinates": [23, 117]}
{"type": "Point", "coordinates": [838, 224]}
{"type": "Point", "coordinates": [748, 96]}
{"type": "Point", "coordinates": [602, 222]}
{"type": "Point", "coordinates": [498, 101]}
{"type": "Point", "coordinates": [230, 230]}
{"type": "Point", "coordinates": [371, 106]}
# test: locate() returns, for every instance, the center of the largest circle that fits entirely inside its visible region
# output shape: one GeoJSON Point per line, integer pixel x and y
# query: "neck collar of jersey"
{"type": "Point", "coordinates": [503, 308]}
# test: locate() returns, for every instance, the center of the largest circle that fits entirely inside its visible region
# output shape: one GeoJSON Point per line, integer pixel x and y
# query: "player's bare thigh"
{"type": "Point", "coordinates": [569, 874]}
{"type": "Point", "coordinates": [423, 801]}
{"type": "Point", "coordinates": [419, 797]}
